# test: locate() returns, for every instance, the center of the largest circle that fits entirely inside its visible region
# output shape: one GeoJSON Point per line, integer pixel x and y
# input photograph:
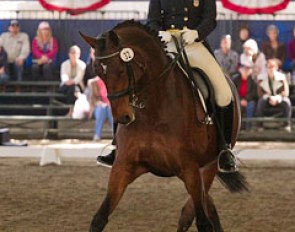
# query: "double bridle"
{"type": "Point", "coordinates": [127, 56]}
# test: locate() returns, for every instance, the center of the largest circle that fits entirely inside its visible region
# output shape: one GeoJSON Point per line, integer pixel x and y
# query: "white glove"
{"type": "Point", "coordinates": [165, 36]}
{"type": "Point", "coordinates": [189, 36]}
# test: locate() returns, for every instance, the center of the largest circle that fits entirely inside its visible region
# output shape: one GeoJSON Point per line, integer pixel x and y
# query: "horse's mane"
{"type": "Point", "coordinates": [139, 25]}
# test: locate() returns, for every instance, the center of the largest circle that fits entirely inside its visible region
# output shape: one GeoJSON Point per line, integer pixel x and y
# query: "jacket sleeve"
{"type": "Point", "coordinates": [52, 53]}
{"type": "Point", "coordinates": [208, 20]}
{"type": "Point", "coordinates": [154, 20]}
{"type": "Point", "coordinates": [64, 73]}
{"type": "Point", "coordinates": [25, 50]}
{"type": "Point", "coordinates": [35, 49]}
{"type": "Point", "coordinates": [80, 74]}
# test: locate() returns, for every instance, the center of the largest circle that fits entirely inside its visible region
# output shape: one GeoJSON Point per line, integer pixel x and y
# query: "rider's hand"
{"type": "Point", "coordinates": [189, 36]}
{"type": "Point", "coordinates": [165, 36]}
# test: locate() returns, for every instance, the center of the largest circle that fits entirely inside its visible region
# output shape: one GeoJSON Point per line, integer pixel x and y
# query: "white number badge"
{"type": "Point", "coordinates": [127, 54]}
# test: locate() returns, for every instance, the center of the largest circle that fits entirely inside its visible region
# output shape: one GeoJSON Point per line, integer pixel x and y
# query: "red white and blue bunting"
{"type": "Point", "coordinates": [255, 6]}
{"type": "Point", "coordinates": [73, 7]}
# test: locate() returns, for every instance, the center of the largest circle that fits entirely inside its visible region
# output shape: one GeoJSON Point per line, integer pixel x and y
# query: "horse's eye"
{"type": "Point", "coordinates": [104, 68]}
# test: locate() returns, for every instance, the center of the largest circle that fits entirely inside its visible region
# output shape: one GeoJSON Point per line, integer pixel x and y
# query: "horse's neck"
{"type": "Point", "coordinates": [168, 95]}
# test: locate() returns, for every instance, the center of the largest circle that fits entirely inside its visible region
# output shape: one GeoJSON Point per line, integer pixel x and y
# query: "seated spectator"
{"type": "Point", "coordinates": [254, 57]}
{"type": "Point", "coordinates": [71, 74]}
{"type": "Point", "coordinates": [3, 65]}
{"type": "Point", "coordinates": [244, 35]}
{"type": "Point", "coordinates": [17, 46]}
{"type": "Point", "coordinates": [273, 90]}
{"type": "Point", "coordinates": [291, 53]}
{"type": "Point", "coordinates": [247, 90]}
{"type": "Point", "coordinates": [89, 72]}
{"type": "Point", "coordinates": [44, 49]}
{"type": "Point", "coordinates": [273, 49]}
{"type": "Point", "coordinates": [227, 58]}
{"type": "Point", "coordinates": [100, 106]}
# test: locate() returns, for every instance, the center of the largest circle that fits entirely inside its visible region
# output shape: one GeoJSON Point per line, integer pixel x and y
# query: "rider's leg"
{"type": "Point", "coordinates": [200, 57]}
{"type": "Point", "coordinates": [110, 158]}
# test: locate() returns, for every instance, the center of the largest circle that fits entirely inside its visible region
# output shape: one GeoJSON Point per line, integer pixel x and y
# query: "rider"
{"type": "Point", "coordinates": [194, 21]}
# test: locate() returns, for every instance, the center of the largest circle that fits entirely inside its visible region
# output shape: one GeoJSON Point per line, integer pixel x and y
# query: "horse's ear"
{"type": "Point", "coordinates": [114, 38]}
{"type": "Point", "coordinates": [90, 40]}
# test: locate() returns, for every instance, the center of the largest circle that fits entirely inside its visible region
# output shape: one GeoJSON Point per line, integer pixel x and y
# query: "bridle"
{"type": "Point", "coordinates": [127, 56]}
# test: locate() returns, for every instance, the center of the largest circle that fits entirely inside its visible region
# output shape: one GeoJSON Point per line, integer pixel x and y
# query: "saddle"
{"type": "Point", "coordinates": [203, 89]}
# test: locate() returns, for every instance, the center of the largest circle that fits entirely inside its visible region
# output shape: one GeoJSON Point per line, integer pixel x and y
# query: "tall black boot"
{"type": "Point", "coordinates": [109, 159]}
{"type": "Point", "coordinates": [224, 121]}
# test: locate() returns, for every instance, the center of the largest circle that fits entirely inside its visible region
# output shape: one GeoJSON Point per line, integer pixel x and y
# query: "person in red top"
{"type": "Point", "coordinates": [247, 89]}
{"type": "Point", "coordinates": [100, 106]}
{"type": "Point", "coordinates": [44, 49]}
{"type": "Point", "coordinates": [291, 53]}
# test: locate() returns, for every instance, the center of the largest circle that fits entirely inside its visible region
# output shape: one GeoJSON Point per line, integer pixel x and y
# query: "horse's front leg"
{"type": "Point", "coordinates": [121, 176]}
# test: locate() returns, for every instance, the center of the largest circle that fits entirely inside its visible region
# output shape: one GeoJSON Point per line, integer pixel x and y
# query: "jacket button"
{"type": "Point", "coordinates": [172, 26]}
{"type": "Point", "coordinates": [185, 19]}
{"type": "Point", "coordinates": [186, 9]}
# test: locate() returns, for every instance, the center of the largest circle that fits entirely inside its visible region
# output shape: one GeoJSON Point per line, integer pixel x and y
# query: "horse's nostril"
{"type": "Point", "coordinates": [125, 119]}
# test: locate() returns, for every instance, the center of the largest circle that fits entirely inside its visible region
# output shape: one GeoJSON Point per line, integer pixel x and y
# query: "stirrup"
{"type": "Point", "coordinates": [106, 160]}
{"type": "Point", "coordinates": [231, 161]}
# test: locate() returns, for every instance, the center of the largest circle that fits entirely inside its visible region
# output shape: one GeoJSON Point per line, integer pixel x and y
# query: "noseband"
{"type": "Point", "coordinates": [126, 55]}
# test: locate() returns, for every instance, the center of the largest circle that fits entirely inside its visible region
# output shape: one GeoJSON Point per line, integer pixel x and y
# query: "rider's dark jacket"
{"type": "Point", "coordinates": [198, 15]}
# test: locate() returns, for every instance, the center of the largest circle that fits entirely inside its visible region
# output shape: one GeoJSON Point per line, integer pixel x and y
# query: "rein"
{"type": "Point", "coordinates": [127, 55]}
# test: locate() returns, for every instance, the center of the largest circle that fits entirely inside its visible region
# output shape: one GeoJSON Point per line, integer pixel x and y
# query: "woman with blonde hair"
{"type": "Point", "coordinates": [44, 49]}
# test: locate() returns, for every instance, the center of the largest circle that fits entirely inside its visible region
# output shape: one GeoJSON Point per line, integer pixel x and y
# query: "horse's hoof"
{"type": "Point", "coordinates": [94, 229]}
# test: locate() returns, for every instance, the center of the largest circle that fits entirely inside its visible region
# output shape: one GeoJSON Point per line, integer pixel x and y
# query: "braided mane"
{"type": "Point", "coordinates": [139, 25]}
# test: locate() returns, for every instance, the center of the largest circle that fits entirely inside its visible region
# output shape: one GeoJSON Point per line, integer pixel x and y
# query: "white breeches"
{"type": "Point", "coordinates": [199, 57]}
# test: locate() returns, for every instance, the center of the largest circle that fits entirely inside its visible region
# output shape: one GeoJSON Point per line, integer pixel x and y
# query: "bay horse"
{"type": "Point", "coordinates": [159, 131]}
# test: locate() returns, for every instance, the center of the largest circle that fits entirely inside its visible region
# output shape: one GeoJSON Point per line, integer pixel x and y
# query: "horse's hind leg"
{"type": "Point", "coordinates": [200, 204]}
{"type": "Point", "coordinates": [193, 182]}
{"type": "Point", "coordinates": [120, 177]}
{"type": "Point", "coordinates": [187, 216]}
{"type": "Point", "coordinates": [213, 215]}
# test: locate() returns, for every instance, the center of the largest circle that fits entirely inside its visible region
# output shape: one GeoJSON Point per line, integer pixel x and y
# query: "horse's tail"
{"type": "Point", "coordinates": [235, 182]}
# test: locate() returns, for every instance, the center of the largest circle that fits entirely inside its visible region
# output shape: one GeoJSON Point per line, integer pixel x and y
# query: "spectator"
{"type": "Point", "coordinates": [17, 46]}
{"type": "Point", "coordinates": [291, 53]}
{"type": "Point", "coordinates": [99, 106]}
{"type": "Point", "coordinates": [272, 48]}
{"type": "Point", "coordinates": [44, 48]}
{"type": "Point", "coordinates": [71, 74]}
{"type": "Point", "coordinates": [227, 58]}
{"type": "Point", "coordinates": [89, 72]}
{"type": "Point", "coordinates": [247, 90]}
{"type": "Point", "coordinates": [254, 57]}
{"type": "Point", "coordinates": [244, 35]}
{"type": "Point", "coordinates": [273, 90]}
{"type": "Point", "coordinates": [3, 65]}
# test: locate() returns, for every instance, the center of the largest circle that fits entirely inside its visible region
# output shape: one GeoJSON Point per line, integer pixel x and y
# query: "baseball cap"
{"type": "Point", "coordinates": [43, 25]}
{"type": "Point", "coordinates": [14, 23]}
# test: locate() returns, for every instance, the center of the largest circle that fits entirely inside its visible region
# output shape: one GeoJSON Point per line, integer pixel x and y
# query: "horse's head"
{"type": "Point", "coordinates": [120, 68]}
{"type": "Point", "coordinates": [122, 56]}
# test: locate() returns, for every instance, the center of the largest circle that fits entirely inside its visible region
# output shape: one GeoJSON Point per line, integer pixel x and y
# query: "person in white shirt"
{"type": "Point", "coordinates": [71, 74]}
{"type": "Point", "coordinates": [273, 90]}
{"type": "Point", "coordinates": [17, 46]}
{"type": "Point", "coordinates": [254, 57]}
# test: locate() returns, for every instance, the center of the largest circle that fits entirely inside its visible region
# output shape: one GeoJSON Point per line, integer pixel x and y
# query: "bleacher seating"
{"type": "Point", "coordinates": [36, 110]}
